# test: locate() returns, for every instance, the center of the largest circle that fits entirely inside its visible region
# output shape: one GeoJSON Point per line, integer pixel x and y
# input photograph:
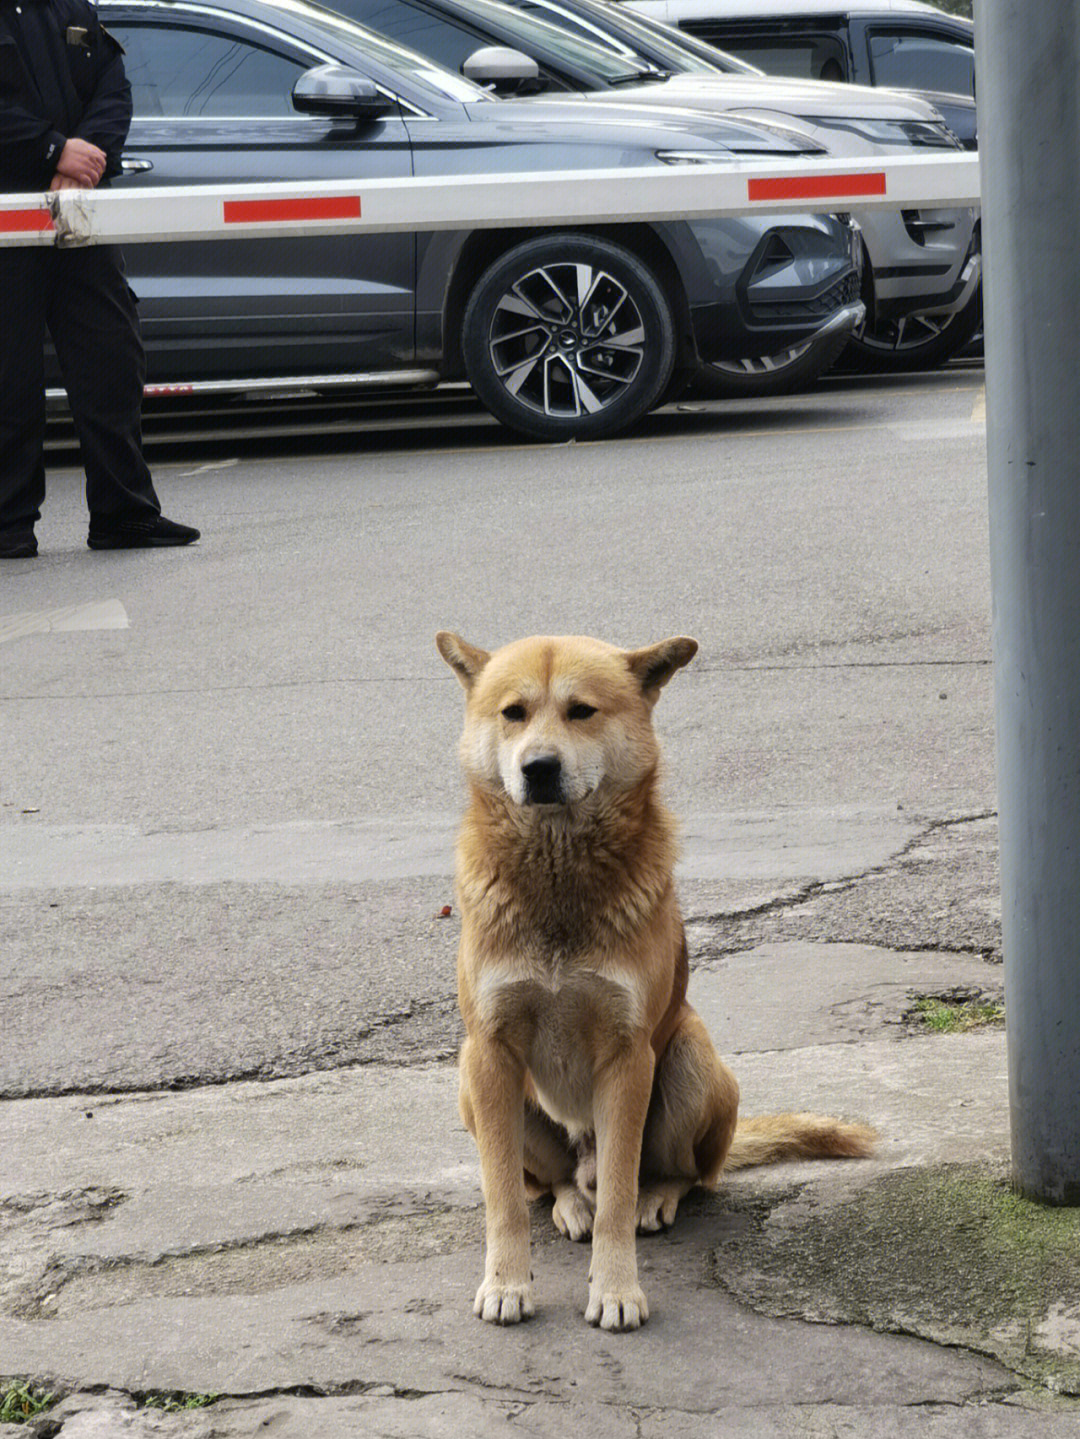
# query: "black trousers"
{"type": "Point", "coordinates": [82, 298]}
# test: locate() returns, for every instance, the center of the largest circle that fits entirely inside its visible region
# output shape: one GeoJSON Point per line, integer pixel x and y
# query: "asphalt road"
{"type": "Point", "coordinates": [230, 784]}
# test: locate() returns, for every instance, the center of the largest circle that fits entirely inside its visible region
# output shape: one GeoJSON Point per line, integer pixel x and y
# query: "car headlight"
{"type": "Point", "coordinates": [793, 145]}
{"type": "Point", "coordinates": [933, 134]}
{"type": "Point", "coordinates": [691, 157]}
{"type": "Point", "coordinates": [791, 135]}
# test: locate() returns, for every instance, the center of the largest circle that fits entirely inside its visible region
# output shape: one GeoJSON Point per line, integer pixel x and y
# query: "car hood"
{"type": "Point", "coordinates": [805, 99]}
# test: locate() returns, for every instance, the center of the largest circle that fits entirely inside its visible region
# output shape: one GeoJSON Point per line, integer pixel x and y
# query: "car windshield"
{"type": "Point", "coordinates": [641, 38]}
{"type": "Point", "coordinates": [403, 62]}
{"type": "Point", "coordinates": [528, 33]}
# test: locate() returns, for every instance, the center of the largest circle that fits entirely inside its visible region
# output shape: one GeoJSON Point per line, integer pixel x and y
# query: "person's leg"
{"type": "Point", "coordinates": [23, 282]}
{"type": "Point", "coordinates": [95, 328]}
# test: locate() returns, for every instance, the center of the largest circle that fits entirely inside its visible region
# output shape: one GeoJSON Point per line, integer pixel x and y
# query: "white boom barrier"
{"type": "Point", "coordinates": [660, 192]}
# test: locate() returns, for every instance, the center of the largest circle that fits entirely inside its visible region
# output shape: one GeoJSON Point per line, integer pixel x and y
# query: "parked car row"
{"type": "Point", "coordinates": [923, 268]}
{"type": "Point", "coordinates": [568, 333]}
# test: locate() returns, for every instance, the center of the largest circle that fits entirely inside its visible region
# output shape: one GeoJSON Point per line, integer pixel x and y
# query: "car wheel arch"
{"type": "Point", "coordinates": [483, 247]}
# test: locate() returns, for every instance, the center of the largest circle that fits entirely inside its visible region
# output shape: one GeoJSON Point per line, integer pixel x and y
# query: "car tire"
{"type": "Point", "coordinates": [597, 347]}
{"type": "Point", "coordinates": [921, 342]}
{"type": "Point", "coordinates": [792, 369]}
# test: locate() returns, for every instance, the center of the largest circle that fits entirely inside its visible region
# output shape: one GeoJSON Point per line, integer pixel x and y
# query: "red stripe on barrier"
{"type": "Point", "coordinates": [816, 187]}
{"type": "Point", "coordinates": [254, 212]}
{"type": "Point", "coordinates": [20, 221]}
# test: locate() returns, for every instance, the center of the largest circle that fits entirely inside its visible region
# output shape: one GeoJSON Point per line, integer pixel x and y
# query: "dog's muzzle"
{"type": "Point", "coordinates": [543, 780]}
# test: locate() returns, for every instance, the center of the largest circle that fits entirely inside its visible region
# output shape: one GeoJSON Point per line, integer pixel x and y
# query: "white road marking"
{"type": "Point", "coordinates": [210, 465]}
{"type": "Point", "coordinates": [978, 410]}
{"type": "Point", "coordinates": [926, 432]}
{"type": "Point", "coordinates": [99, 615]}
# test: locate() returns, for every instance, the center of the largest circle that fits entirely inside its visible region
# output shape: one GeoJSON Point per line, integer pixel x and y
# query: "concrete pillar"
{"type": "Point", "coordinates": [1028, 83]}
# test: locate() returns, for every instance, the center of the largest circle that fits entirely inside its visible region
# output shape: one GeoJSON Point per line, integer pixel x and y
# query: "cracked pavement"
{"type": "Point", "coordinates": [231, 1165]}
{"type": "Point", "coordinates": [309, 1243]}
{"type": "Point", "coordinates": [239, 1007]}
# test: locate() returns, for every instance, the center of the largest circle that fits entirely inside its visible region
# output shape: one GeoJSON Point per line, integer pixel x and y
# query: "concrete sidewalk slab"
{"type": "Point", "coordinates": [141, 958]}
{"type": "Point", "coordinates": [322, 1236]}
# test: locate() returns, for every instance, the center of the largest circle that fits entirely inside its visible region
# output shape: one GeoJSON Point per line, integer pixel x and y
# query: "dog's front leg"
{"type": "Point", "coordinates": [493, 1107]}
{"type": "Point", "coordinates": [621, 1104]}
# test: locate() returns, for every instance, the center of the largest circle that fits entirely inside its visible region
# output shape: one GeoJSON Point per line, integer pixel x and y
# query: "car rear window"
{"type": "Point", "coordinates": [804, 55]}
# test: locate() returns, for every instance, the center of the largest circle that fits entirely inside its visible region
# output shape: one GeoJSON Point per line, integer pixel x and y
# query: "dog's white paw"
{"type": "Point", "coordinates": [656, 1208]}
{"type": "Point", "coordinates": [572, 1213]}
{"type": "Point", "coordinates": [504, 1303]}
{"type": "Point", "coordinates": [617, 1311]}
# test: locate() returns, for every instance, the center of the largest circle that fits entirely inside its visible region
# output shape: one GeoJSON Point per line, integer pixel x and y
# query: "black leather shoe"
{"type": "Point", "coordinates": [17, 545]}
{"type": "Point", "coordinates": [139, 534]}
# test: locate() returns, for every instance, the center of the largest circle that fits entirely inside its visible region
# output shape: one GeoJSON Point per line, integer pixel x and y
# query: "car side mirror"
{"type": "Point", "coordinates": [506, 71]}
{"type": "Point", "coordinates": [339, 90]}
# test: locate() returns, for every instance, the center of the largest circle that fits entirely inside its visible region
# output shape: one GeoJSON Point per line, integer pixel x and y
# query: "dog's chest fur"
{"type": "Point", "coordinates": [557, 1030]}
{"type": "Point", "coordinates": [557, 909]}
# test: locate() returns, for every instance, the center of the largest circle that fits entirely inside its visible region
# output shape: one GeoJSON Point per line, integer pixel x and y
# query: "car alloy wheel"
{"type": "Point", "coordinates": [566, 339]}
{"type": "Point", "coordinates": [568, 336]}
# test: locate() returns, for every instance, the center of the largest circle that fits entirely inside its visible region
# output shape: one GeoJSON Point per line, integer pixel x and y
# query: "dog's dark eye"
{"type": "Point", "coordinates": [580, 712]}
{"type": "Point", "coordinates": [514, 713]}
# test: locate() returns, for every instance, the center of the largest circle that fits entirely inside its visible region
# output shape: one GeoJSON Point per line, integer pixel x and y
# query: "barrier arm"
{"type": "Point", "coordinates": [678, 192]}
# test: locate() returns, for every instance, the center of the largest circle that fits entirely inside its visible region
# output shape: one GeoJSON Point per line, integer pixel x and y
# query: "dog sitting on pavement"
{"type": "Point", "coordinates": [585, 1073]}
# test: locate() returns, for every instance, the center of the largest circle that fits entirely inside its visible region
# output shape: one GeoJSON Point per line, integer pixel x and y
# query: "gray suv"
{"type": "Point", "coordinates": [567, 334]}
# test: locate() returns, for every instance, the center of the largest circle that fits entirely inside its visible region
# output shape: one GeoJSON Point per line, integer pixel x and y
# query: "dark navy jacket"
{"type": "Point", "coordinates": [61, 76]}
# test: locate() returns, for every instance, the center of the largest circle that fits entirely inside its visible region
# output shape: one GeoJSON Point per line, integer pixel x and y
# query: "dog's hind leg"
{"type": "Point", "coordinates": [550, 1163]}
{"type": "Point", "coordinates": [658, 1203]}
{"type": "Point", "coordinates": [572, 1212]}
{"type": "Point", "coordinates": [691, 1121]}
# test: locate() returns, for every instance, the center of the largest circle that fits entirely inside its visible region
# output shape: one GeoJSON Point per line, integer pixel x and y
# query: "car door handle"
{"type": "Point", "coordinates": [135, 167]}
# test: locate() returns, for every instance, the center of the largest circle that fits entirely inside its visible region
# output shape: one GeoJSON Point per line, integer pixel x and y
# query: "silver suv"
{"type": "Point", "coordinates": [905, 44]}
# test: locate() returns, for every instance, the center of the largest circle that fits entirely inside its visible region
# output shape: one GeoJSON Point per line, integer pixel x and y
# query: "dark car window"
{"type": "Point", "coordinates": [438, 37]}
{"type": "Point", "coordinates": [804, 55]}
{"type": "Point", "coordinates": [179, 72]}
{"type": "Point", "coordinates": [918, 61]}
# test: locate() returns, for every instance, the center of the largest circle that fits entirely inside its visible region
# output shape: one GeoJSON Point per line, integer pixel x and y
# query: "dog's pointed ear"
{"type": "Point", "coordinates": [464, 659]}
{"type": "Point", "coordinates": [654, 665]}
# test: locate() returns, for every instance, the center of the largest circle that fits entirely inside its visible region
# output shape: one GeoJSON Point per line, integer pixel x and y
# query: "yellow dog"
{"type": "Point", "coordinates": [585, 1073]}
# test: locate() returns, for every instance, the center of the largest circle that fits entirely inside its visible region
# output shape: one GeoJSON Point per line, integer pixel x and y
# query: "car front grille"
{"type": "Point", "coordinates": [844, 292]}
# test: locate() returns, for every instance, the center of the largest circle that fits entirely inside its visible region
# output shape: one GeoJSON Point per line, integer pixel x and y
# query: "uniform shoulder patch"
{"type": "Point", "coordinates": [110, 39]}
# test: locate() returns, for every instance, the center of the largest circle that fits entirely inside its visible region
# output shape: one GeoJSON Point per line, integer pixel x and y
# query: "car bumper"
{"type": "Point", "coordinates": [936, 302]}
{"type": "Point", "coordinates": [917, 257]}
{"type": "Point", "coordinates": [802, 279]}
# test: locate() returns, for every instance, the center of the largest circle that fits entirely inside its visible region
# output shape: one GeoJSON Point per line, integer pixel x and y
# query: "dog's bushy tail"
{"type": "Point", "coordinates": [769, 1138]}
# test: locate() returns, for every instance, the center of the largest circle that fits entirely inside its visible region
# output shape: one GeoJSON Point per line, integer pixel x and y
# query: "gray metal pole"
{"type": "Point", "coordinates": [1028, 57]}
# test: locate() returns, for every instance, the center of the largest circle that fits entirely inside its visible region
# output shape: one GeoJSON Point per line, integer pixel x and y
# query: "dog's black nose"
{"type": "Point", "coordinates": [542, 780]}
